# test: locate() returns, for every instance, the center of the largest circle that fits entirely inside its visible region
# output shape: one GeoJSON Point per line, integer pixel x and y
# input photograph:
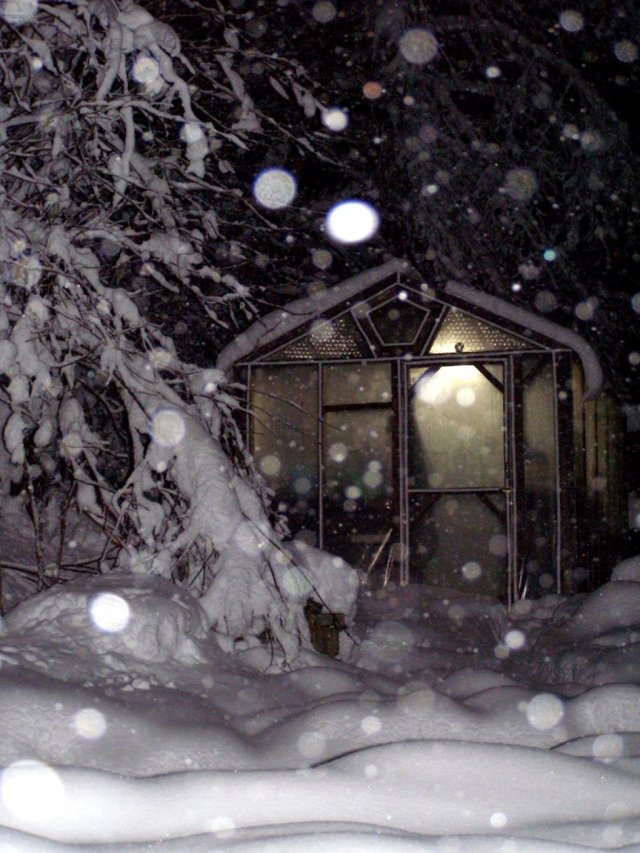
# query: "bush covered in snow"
{"type": "Point", "coordinates": [103, 160]}
{"type": "Point", "coordinates": [124, 616]}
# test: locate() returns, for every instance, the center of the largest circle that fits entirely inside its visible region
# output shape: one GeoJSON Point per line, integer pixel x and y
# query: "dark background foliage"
{"type": "Point", "coordinates": [434, 152]}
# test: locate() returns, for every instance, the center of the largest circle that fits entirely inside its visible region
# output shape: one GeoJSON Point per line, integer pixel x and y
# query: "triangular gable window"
{"type": "Point", "coordinates": [460, 332]}
{"type": "Point", "coordinates": [398, 322]}
{"type": "Point", "coordinates": [328, 339]}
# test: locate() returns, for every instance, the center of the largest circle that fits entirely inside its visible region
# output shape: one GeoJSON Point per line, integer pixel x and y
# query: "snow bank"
{"type": "Point", "coordinates": [611, 607]}
{"type": "Point", "coordinates": [443, 787]}
{"type": "Point", "coordinates": [589, 640]}
{"type": "Point", "coordinates": [127, 616]}
{"type": "Point", "coordinates": [171, 743]}
{"type": "Point", "coordinates": [627, 570]}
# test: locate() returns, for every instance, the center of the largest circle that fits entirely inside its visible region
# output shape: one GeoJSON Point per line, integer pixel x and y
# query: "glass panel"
{"type": "Point", "coordinates": [455, 428]}
{"type": "Point", "coordinates": [284, 439]}
{"type": "Point", "coordinates": [459, 542]}
{"type": "Point", "coordinates": [539, 476]}
{"type": "Point", "coordinates": [398, 322]}
{"type": "Point", "coordinates": [357, 383]}
{"type": "Point", "coordinates": [358, 483]}
{"type": "Point", "coordinates": [459, 329]}
{"type": "Point", "coordinates": [337, 338]}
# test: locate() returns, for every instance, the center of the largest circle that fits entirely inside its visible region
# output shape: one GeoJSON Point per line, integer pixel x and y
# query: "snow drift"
{"type": "Point", "coordinates": [107, 716]}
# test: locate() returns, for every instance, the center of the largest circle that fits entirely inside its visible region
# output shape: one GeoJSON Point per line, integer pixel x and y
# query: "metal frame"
{"type": "Point", "coordinates": [511, 464]}
{"type": "Point", "coordinates": [344, 407]}
{"type": "Point", "coordinates": [565, 487]}
{"type": "Point", "coordinates": [379, 293]}
{"type": "Point", "coordinates": [399, 367]}
{"type": "Point", "coordinates": [435, 308]}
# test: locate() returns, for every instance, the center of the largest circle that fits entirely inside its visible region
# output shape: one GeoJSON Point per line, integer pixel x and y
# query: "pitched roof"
{"type": "Point", "coordinates": [275, 325]}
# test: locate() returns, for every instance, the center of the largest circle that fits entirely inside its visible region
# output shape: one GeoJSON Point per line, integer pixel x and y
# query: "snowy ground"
{"type": "Point", "coordinates": [453, 726]}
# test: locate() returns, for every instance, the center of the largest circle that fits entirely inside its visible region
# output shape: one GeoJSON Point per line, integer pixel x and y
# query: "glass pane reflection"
{"type": "Point", "coordinates": [539, 475]}
{"type": "Point", "coordinates": [357, 383]}
{"type": "Point", "coordinates": [456, 428]}
{"type": "Point", "coordinates": [459, 542]}
{"type": "Point", "coordinates": [398, 322]}
{"type": "Point", "coordinates": [284, 439]}
{"type": "Point", "coordinates": [358, 490]}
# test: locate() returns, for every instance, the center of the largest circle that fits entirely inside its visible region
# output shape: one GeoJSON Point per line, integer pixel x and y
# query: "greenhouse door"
{"type": "Point", "coordinates": [359, 517]}
{"type": "Point", "coordinates": [459, 526]}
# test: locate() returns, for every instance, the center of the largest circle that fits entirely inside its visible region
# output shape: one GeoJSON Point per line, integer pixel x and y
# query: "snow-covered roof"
{"type": "Point", "coordinates": [560, 334]}
{"type": "Point", "coordinates": [273, 326]}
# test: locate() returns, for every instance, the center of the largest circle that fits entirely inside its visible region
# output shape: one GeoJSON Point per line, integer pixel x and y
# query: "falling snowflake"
{"type": "Point", "coordinates": [372, 479]}
{"type": "Point", "coordinates": [321, 330]}
{"type": "Point", "coordinates": [145, 69]}
{"type": "Point", "coordinates": [529, 270]}
{"type": "Point", "coordinates": [465, 397]}
{"type": "Point", "coordinates": [585, 310]}
{"type": "Point", "coordinates": [471, 571]}
{"type": "Point", "coordinates": [167, 427]}
{"type": "Point", "coordinates": [338, 451]}
{"type": "Point", "coordinates": [324, 11]}
{"type": "Point", "coordinates": [302, 485]}
{"type": "Point", "coordinates": [275, 188]}
{"type": "Point", "coordinates": [570, 131]}
{"type": "Point", "coordinates": [498, 545]}
{"type": "Point", "coordinates": [418, 46]}
{"type": "Point", "coordinates": [544, 711]}
{"type": "Point", "coordinates": [515, 639]}
{"type": "Point", "coordinates": [29, 781]}
{"type": "Point", "coordinates": [18, 12]}
{"type": "Point", "coordinates": [89, 723]}
{"type": "Point", "coordinates": [608, 747]}
{"type": "Point", "coordinates": [591, 140]}
{"type": "Point", "coordinates": [371, 725]}
{"type": "Point", "coordinates": [335, 119]}
{"type": "Point", "coordinates": [270, 465]}
{"type": "Point", "coordinates": [625, 51]}
{"type": "Point", "coordinates": [109, 612]}
{"type": "Point", "coordinates": [571, 21]}
{"type": "Point", "coordinates": [372, 90]}
{"type": "Point", "coordinates": [352, 221]}
{"type": "Point", "coordinates": [321, 258]}
{"type": "Point", "coordinates": [191, 132]}
{"type": "Point", "coordinates": [520, 184]}
{"type": "Point", "coordinates": [312, 745]}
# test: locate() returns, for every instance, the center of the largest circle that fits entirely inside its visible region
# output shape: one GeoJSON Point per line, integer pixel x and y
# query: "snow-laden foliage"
{"type": "Point", "coordinates": [103, 161]}
{"type": "Point", "coordinates": [497, 141]}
